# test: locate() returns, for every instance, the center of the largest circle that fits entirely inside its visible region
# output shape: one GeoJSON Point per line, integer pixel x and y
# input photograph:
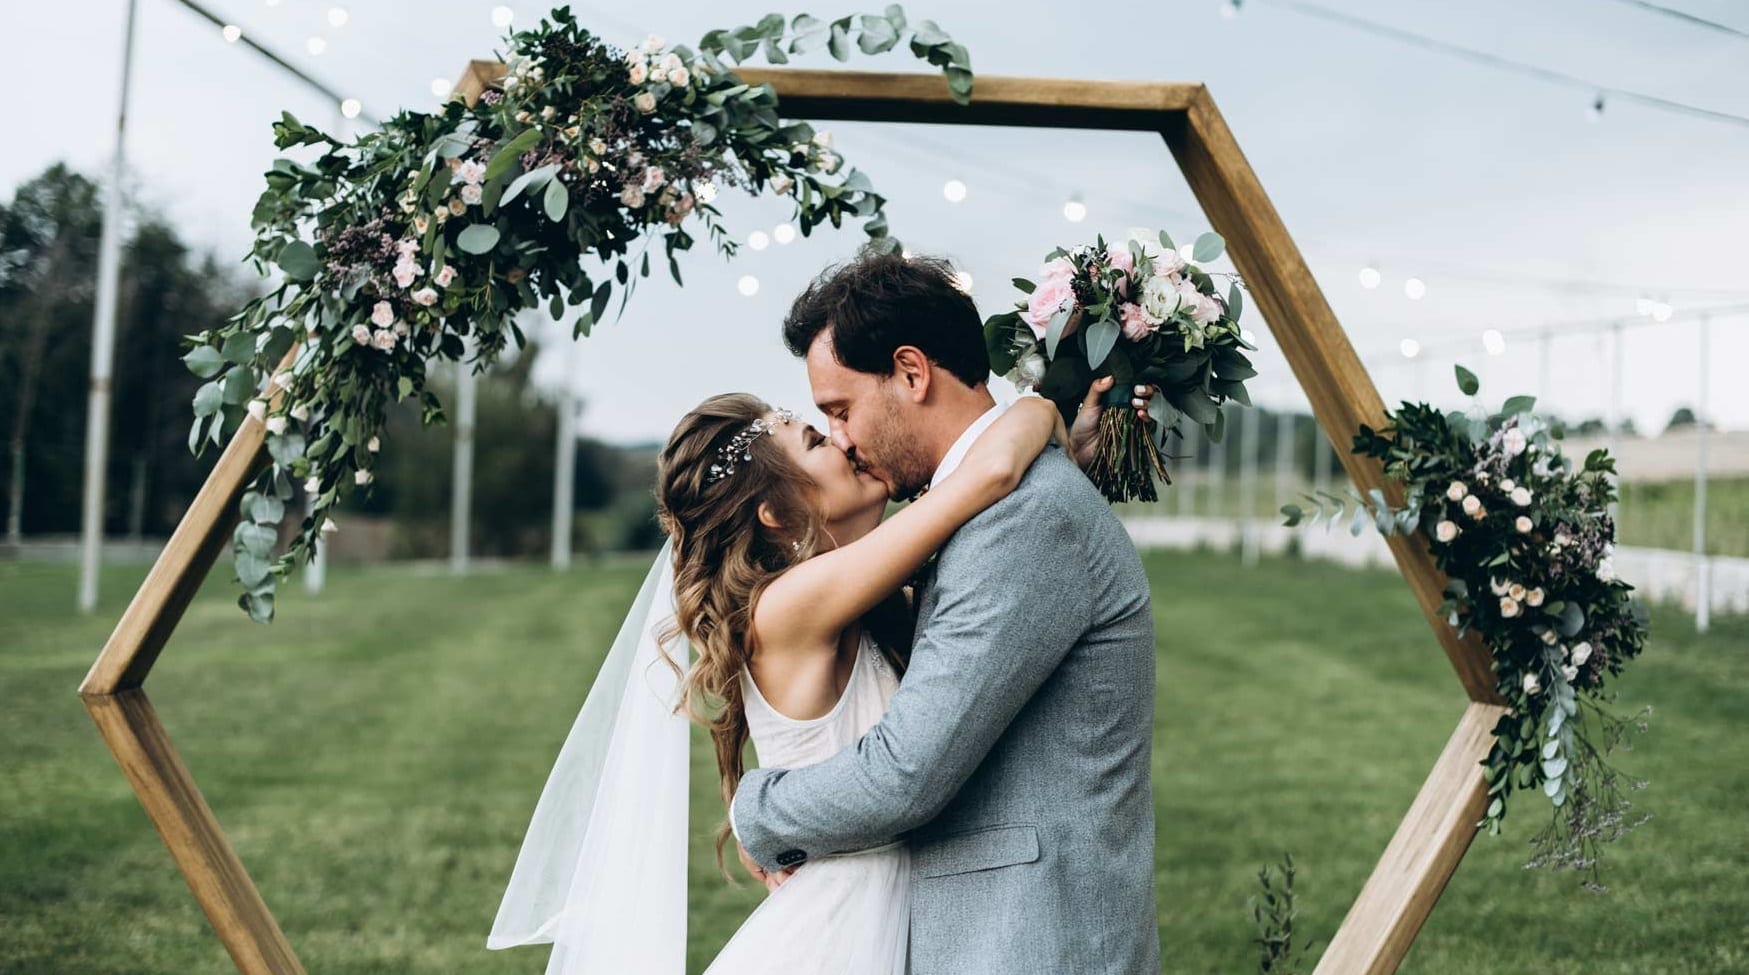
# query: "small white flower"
{"type": "Point", "coordinates": [472, 171]}
{"type": "Point", "coordinates": [1570, 672]}
{"type": "Point", "coordinates": [456, 206]}
{"type": "Point", "coordinates": [1530, 684]}
{"type": "Point", "coordinates": [597, 145]}
{"type": "Point", "coordinates": [1508, 485]}
{"type": "Point", "coordinates": [313, 485]}
{"type": "Point", "coordinates": [1445, 531]}
{"type": "Point", "coordinates": [1508, 607]}
{"type": "Point", "coordinates": [1523, 524]}
{"type": "Point", "coordinates": [329, 526]}
{"type": "Point", "coordinates": [405, 272]}
{"type": "Point", "coordinates": [1499, 586]}
{"type": "Point", "coordinates": [658, 73]}
{"type": "Point", "coordinates": [1535, 597]}
{"type": "Point", "coordinates": [425, 296]}
{"type": "Point", "coordinates": [373, 445]}
{"type": "Point", "coordinates": [632, 195]}
{"type": "Point", "coordinates": [1516, 591]}
{"type": "Point", "coordinates": [654, 177]}
{"type": "Point", "coordinates": [1032, 369]}
{"type": "Point", "coordinates": [671, 63]}
{"type": "Point", "coordinates": [637, 73]}
{"type": "Point", "coordinates": [548, 112]}
{"type": "Point", "coordinates": [782, 183]}
{"type": "Point", "coordinates": [652, 44]}
{"type": "Point", "coordinates": [1457, 491]}
{"type": "Point", "coordinates": [300, 413]}
{"type": "Point", "coordinates": [361, 334]}
{"type": "Point", "coordinates": [382, 314]}
{"type": "Point", "coordinates": [276, 425]}
{"type": "Point", "coordinates": [258, 409]}
{"type": "Point", "coordinates": [1513, 442]}
{"type": "Point", "coordinates": [445, 275]}
{"type": "Point", "coordinates": [1606, 571]}
{"type": "Point", "coordinates": [1521, 497]}
{"type": "Point", "coordinates": [1472, 506]}
{"type": "Point", "coordinates": [823, 139]}
{"type": "Point", "coordinates": [472, 194]}
{"type": "Point", "coordinates": [383, 340]}
{"type": "Point", "coordinates": [1581, 653]}
{"type": "Point", "coordinates": [1561, 538]}
{"type": "Point", "coordinates": [645, 102]}
{"type": "Point", "coordinates": [679, 77]}
{"type": "Point", "coordinates": [1550, 636]}
{"type": "Point", "coordinates": [282, 380]}
{"type": "Point", "coordinates": [829, 162]}
{"type": "Point", "coordinates": [361, 476]}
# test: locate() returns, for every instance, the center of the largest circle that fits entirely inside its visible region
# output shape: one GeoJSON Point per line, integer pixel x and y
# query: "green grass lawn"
{"type": "Point", "coordinates": [375, 755]}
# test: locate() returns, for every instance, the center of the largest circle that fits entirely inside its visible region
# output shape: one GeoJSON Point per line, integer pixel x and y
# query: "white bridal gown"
{"type": "Point", "coordinates": [845, 914]}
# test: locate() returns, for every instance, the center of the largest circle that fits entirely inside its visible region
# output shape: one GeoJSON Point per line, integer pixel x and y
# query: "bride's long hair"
{"type": "Point", "coordinates": [724, 557]}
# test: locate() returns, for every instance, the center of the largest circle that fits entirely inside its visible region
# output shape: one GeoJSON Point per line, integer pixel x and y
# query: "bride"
{"type": "Point", "coordinates": [783, 579]}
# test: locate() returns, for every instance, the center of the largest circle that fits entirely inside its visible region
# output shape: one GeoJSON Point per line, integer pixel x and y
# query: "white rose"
{"type": "Point", "coordinates": [679, 77]}
{"type": "Point", "coordinates": [1207, 311]}
{"type": "Point", "coordinates": [361, 334]}
{"type": "Point", "coordinates": [1457, 491]}
{"type": "Point", "coordinates": [1521, 497]}
{"type": "Point", "coordinates": [300, 413]}
{"type": "Point", "coordinates": [1508, 607]}
{"type": "Point", "coordinates": [445, 275]}
{"type": "Point", "coordinates": [1561, 538]}
{"type": "Point", "coordinates": [1472, 505]}
{"type": "Point", "coordinates": [313, 485]}
{"type": "Point", "coordinates": [658, 73]}
{"type": "Point", "coordinates": [425, 296]}
{"type": "Point", "coordinates": [282, 380]}
{"type": "Point", "coordinates": [671, 63]}
{"type": "Point", "coordinates": [373, 445]}
{"type": "Point", "coordinates": [1523, 525]}
{"type": "Point", "coordinates": [1550, 636]}
{"type": "Point", "coordinates": [1516, 591]}
{"type": "Point", "coordinates": [1032, 369]}
{"type": "Point", "coordinates": [472, 194]}
{"type": "Point", "coordinates": [1531, 684]}
{"type": "Point", "coordinates": [1581, 653]}
{"type": "Point", "coordinates": [276, 425]}
{"type": "Point", "coordinates": [645, 102]}
{"type": "Point", "coordinates": [1606, 571]}
{"type": "Point", "coordinates": [782, 183]}
{"type": "Point", "coordinates": [652, 44]}
{"type": "Point", "coordinates": [1507, 485]}
{"type": "Point", "coordinates": [1570, 672]}
{"type": "Point", "coordinates": [472, 171]}
{"type": "Point", "coordinates": [329, 526]}
{"type": "Point", "coordinates": [1445, 531]}
{"type": "Point", "coordinates": [383, 339]}
{"type": "Point", "coordinates": [632, 195]}
{"type": "Point", "coordinates": [1500, 587]}
{"type": "Point", "coordinates": [382, 314]}
{"type": "Point", "coordinates": [258, 409]}
{"type": "Point", "coordinates": [1160, 300]}
{"type": "Point", "coordinates": [829, 162]}
{"type": "Point", "coordinates": [1513, 442]}
{"type": "Point", "coordinates": [1535, 596]}
{"type": "Point", "coordinates": [653, 178]}
{"type": "Point", "coordinates": [361, 476]}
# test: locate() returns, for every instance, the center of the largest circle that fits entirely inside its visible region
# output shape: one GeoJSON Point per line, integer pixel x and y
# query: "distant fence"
{"type": "Point", "coordinates": [1658, 574]}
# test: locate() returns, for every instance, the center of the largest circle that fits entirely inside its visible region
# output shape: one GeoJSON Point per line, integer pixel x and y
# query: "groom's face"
{"type": "Point", "coordinates": [869, 418]}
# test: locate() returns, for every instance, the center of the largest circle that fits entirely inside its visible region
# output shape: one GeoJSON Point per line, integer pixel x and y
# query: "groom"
{"type": "Point", "coordinates": [1015, 756]}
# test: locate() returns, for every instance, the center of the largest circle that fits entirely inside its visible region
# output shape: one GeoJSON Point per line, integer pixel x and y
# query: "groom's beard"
{"type": "Point", "coordinates": [893, 455]}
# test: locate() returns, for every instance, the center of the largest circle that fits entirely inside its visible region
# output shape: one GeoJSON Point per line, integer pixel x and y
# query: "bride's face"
{"type": "Point", "coordinates": [845, 492]}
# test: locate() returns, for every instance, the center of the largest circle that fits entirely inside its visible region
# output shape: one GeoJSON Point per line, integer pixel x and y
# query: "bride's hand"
{"type": "Point", "coordinates": [772, 881]}
{"type": "Point", "coordinates": [1000, 456]}
{"type": "Point", "coordinates": [1084, 434]}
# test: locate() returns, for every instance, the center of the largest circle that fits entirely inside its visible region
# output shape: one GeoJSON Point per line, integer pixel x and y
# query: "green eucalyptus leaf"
{"type": "Point", "coordinates": [299, 262]}
{"type": "Point", "coordinates": [1208, 247]}
{"type": "Point", "coordinates": [204, 361]}
{"type": "Point", "coordinates": [557, 201]}
{"type": "Point", "coordinates": [1101, 337]}
{"type": "Point", "coordinates": [1467, 381]}
{"type": "Point", "coordinates": [478, 238]}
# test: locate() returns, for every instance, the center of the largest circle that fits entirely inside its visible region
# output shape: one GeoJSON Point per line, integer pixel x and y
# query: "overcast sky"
{"type": "Point", "coordinates": [1514, 208]}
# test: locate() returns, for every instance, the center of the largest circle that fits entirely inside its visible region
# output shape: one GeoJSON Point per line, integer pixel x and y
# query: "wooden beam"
{"type": "Point", "coordinates": [1421, 857]}
{"type": "Point", "coordinates": [1341, 393]}
{"type": "Point", "coordinates": [214, 873]}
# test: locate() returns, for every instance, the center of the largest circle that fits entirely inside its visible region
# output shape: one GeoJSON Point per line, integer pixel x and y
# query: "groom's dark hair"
{"type": "Point", "coordinates": [877, 302]}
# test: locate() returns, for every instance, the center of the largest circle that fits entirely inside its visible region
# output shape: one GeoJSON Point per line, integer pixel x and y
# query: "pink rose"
{"type": "Point", "coordinates": [1168, 261]}
{"type": "Point", "coordinates": [1058, 269]}
{"type": "Point", "coordinates": [382, 313]}
{"type": "Point", "coordinates": [383, 339]}
{"type": "Point", "coordinates": [425, 296]}
{"type": "Point", "coordinates": [446, 275]}
{"type": "Point", "coordinates": [1119, 257]}
{"type": "Point", "coordinates": [1207, 310]}
{"type": "Point", "coordinates": [1046, 300]}
{"type": "Point", "coordinates": [405, 273]}
{"type": "Point", "coordinates": [1136, 326]}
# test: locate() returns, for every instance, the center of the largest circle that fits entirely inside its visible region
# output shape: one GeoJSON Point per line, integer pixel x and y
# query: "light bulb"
{"type": "Point", "coordinates": [502, 16]}
{"type": "Point", "coordinates": [1494, 342]}
{"type": "Point", "coordinates": [1415, 288]}
{"type": "Point", "coordinates": [1075, 211]}
{"type": "Point", "coordinates": [1370, 277]}
{"type": "Point", "coordinates": [440, 87]}
{"type": "Point", "coordinates": [748, 285]}
{"type": "Point", "coordinates": [963, 281]}
{"type": "Point", "coordinates": [351, 107]}
{"type": "Point", "coordinates": [337, 16]}
{"type": "Point", "coordinates": [1410, 348]}
{"type": "Point", "coordinates": [783, 233]}
{"type": "Point", "coordinates": [315, 46]}
{"type": "Point", "coordinates": [758, 240]}
{"type": "Point", "coordinates": [954, 190]}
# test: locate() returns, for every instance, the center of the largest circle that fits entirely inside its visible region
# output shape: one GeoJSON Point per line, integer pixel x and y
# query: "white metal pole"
{"type": "Point", "coordinates": [1615, 411]}
{"type": "Point", "coordinates": [1321, 465]}
{"type": "Point", "coordinates": [316, 572]}
{"type": "Point", "coordinates": [103, 342]}
{"type": "Point", "coordinates": [1184, 473]}
{"type": "Point", "coordinates": [1250, 432]}
{"type": "Point", "coordinates": [1284, 456]}
{"type": "Point", "coordinates": [565, 465]}
{"type": "Point", "coordinates": [1216, 479]}
{"type": "Point", "coordinates": [462, 474]}
{"type": "Point", "coordinates": [1703, 597]}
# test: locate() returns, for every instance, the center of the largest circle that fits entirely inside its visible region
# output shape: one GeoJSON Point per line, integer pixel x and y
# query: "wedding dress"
{"type": "Point", "coordinates": [845, 914]}
{"type": "Point", "coordinates": [601, 875]}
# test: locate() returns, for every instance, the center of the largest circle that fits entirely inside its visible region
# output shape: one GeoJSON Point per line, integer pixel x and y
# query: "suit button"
{"type": "Point", "coordinates": [790, 858]}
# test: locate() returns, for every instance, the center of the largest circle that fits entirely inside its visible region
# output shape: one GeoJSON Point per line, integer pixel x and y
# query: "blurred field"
{"type": "Point", "coordinates": [375, 754]}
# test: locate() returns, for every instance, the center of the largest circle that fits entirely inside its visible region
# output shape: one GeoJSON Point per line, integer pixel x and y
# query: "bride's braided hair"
{"type": "Point", "coordinates": [724, 557]}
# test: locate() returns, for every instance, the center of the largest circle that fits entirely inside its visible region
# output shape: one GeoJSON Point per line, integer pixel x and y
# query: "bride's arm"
{"type": "Point", "coordinates": [821, 597]}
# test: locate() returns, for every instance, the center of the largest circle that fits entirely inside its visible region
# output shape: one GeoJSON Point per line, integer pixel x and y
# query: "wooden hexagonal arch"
{"type": "Point", "coordinates": [1440, 823]}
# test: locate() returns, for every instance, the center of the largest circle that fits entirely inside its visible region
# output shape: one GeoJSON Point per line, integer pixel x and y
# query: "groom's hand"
{"type": "Point", "coordinates": [1084, 432]}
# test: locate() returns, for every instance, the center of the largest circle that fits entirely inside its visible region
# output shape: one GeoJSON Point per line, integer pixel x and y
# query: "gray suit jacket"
{"type": "Point", "coordinates": [1015, 756]}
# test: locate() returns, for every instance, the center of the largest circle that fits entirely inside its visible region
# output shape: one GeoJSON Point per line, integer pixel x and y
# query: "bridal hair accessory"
{"type": "Point", "coordinates": [741, 447]}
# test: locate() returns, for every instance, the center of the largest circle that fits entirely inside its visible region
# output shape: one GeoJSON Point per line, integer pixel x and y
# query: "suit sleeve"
{"type": "Point", "coordinates": [1011, 600]}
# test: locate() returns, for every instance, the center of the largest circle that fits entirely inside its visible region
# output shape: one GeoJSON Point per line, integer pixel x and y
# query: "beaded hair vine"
{"type": "Point", "coordinates": [740, 448]}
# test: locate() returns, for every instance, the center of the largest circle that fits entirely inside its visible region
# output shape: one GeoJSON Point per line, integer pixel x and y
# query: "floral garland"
{"type": "Point", "coordinates": [1177, 332]}
{"type": "Point", "coordinates": [424, 240]}
{"type": "Point", "coordinates": [1526, 541]}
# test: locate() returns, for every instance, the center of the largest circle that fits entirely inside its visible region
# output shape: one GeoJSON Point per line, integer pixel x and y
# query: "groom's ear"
{"type": "Point", "coordinates": [912, 370]}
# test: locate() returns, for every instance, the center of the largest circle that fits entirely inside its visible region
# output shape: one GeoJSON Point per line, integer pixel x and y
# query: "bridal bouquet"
{"type": "Point", "coordinates": [425, 239]}
{"type": "Point", "coordinates": [1138, 311]}
{"type": "Point", "coordinates": [1525, 537]}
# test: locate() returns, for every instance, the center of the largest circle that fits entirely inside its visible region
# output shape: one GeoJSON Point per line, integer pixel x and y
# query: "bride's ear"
{"type": "Point", "coordinates": [768, 518]}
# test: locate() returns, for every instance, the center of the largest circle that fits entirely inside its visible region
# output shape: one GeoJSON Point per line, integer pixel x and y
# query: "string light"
{"type": "Point", "coordinates": [351, 107]}
{"type": "Point", "coordinates": [337, 16]}
{"type": "Point", "coordinates": [440, 87]}
{"type": "Point", "coordinates": [1370, 277]}
{"type": "Point", "coordinates": [954, 190]}
{"type": "Point", "coordinates": [1074, 211]}
{"type": "Point", "coordinates": [1415, 288]}
{"type": "Point", "coordinates": [758, 240]}
{"type": "Point", "coordinates": [232, 33]}
{"type": "Point", "coordinates": [1494, 342]}
{"type": "Point", "coordinates": [502, 16]}
{"type": "Point", "coordinates": [783, 233]}
{"type": "Point", "coordinates": [1410, 348]}
{"type": "Point", "coordinates": [963, 281]}
{"type": "Point", "coordinates": [315, 46]}
{"type": "Point", "coordinates": [748, 285]}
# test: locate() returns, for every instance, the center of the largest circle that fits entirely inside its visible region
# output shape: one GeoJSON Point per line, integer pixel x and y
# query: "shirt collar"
{"type": "Point", "coordinates": [957, 452]}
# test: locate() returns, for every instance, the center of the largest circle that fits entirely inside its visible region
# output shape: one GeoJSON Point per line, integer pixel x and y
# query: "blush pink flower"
{"type": "Point", "coordinates": [446, 275]}
{"type": "Point", "coordinates": [1051, 295]}
{"type": "Point", "coordinates": [1136, 326]}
